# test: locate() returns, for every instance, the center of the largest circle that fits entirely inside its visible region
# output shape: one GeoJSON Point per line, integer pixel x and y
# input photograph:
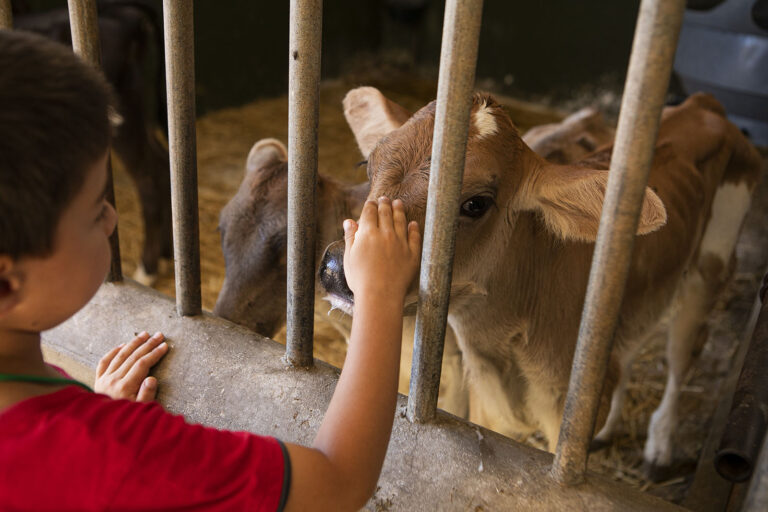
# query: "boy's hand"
{"type": "Point", "coordinates": [382, 252]}
{"type": "Point", "coordinates": [122, 373]}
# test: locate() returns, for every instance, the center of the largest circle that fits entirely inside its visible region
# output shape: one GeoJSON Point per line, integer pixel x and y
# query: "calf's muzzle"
{"type": "Point", "coordinates": [332, 274]}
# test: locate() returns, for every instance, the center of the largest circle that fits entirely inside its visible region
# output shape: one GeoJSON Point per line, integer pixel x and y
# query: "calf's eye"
{"type": "Point", "coordinates": [476, 206]}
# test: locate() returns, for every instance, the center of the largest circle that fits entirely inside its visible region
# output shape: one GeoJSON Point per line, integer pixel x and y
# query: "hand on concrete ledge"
{"type": "Point", "coordinates": [123, 372]}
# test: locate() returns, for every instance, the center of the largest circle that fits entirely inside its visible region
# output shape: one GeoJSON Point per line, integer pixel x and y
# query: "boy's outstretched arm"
{"type": "Point", "coordinates": [341, 469]}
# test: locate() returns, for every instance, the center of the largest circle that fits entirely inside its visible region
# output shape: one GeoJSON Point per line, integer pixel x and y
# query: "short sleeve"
{"type": "Point", "coordinates": [181, 466]}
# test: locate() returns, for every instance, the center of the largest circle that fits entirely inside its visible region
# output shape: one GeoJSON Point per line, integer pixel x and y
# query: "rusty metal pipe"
{"type": "Point", "coordinates": [6, 15]}
{"type": "Point", "coordinates": [84, 24]}
{"type": "Point", "coordinates": [746, 427]}
{"type": "Point", "coordinates": [458, 59]}
{"type": "Point", "coordinates": [653, 49]}
{"type": "Point", "coordinates": [303, 113]}
{"type": "Point", "coordinates": [180, 83]}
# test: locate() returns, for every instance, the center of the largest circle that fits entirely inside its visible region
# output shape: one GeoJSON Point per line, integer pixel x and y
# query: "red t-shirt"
{"type": "Point", "coordinates": [75, 450]}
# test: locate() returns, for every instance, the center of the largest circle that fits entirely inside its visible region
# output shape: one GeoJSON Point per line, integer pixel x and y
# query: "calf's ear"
{"type": "Point", "coordinates": [371, 116]}
{"type": "Point", "coordinates": [570, 201]}
{"type": "Point", "coordinates": [264, 153]}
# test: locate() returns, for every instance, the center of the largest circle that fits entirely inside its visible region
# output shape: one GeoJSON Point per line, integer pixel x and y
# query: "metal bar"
{"type": "Point", "coordinates": [458, 58]}
{"type": "Point", "coordinates": [303, 113]}
{"type": "Point", "coordinates": [180, 83]}
{"type": "Point", "coordinates": [84, 24]}
{"type": "Point", "coordinates": [757, 495]}
{"type": "Point", "coordinates": [6, 15]}
{"type": "Point", "coordinates": [653, 49]}
{"type": "Point", "coordinates": [746, 427]}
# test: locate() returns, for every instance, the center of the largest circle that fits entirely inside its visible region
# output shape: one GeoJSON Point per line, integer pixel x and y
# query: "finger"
{"type": "Point", "coordinates": [148, 390]}
{"type": "Point", "coordinates": [370, 215]}
{"type": "Point", "coordinates": [104, 361]}
{"type": "Point", "coordinates": [127, 350]}
{"type": "Point", "coordinates": [414, 238]}
{"type": "Point", "coordinates": [144, 349]}
{"type": "Point", "coordinates": [140, 368]}
{"type": "Point", "coordinates": [385, 215]}
{"type": "Point", "coordinates": [350, 228]}
{"type": "Point", "coordinates": [398, 218]}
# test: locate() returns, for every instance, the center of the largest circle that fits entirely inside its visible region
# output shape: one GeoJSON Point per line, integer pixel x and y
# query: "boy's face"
{"type": "Point", "coordinates": [55, 287]}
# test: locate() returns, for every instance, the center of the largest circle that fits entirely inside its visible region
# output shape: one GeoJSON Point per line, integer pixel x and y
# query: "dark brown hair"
{"type": "Point", "coordinates": [54, 126]}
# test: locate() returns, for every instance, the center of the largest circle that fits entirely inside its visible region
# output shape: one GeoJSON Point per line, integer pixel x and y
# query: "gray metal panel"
{"type": "Point", "coordinates": [728, 59]}
{"type": "Point", "coordinates": [731, 15]}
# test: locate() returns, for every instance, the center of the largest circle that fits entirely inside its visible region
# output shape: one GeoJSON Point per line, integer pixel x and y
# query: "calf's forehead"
{"type": "Point", "coordinates": [399, 165]}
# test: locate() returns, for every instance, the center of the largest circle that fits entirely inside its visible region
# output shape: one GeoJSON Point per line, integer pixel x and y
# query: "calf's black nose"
{"type": "Point", "coordinates": [332, 272]}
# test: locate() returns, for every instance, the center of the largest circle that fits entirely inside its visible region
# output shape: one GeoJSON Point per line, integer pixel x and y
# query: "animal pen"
{"type": "Point", "coordinates": [226, 376]}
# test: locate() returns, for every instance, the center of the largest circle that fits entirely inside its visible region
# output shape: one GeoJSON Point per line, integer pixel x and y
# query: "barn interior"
{"type": "Point", "coordinates": [542, 61]}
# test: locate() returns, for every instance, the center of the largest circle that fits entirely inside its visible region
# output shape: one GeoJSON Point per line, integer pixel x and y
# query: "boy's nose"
{"type": "Point", "coordinates": [110, 220]}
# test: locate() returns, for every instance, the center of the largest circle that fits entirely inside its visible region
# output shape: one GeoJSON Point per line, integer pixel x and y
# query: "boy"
{"type": "Point", "coordinates": [65, 448]}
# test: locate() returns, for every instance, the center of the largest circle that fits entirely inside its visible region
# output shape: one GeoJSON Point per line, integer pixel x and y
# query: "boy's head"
{"type": "Point", "coordinates": [54, 136]}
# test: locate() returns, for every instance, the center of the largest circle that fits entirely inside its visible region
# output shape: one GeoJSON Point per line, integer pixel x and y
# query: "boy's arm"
{"type": "Point", "coordinates": [341, 469]}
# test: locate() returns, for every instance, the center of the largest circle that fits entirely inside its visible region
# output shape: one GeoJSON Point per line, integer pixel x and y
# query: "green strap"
{"type": "Point", "coordinates": [8, 377]}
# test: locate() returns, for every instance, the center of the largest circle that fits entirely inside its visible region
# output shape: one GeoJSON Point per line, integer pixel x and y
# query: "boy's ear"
{"type": "Point", "coordinates": [371, 116]}
{"type": "Point", "coordinates": [10, 283]}
{"type": "Point", "coordinates": [570, 201]}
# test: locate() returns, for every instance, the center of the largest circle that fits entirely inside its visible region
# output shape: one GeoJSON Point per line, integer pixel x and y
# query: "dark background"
{"type": "Point", "coordinates": [528, 49]}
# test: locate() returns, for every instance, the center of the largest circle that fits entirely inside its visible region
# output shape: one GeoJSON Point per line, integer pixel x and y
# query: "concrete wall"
{"type": "Point", "coordinates": [223, 375]}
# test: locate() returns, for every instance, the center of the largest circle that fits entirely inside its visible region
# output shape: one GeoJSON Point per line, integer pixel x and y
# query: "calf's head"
{"type": "Point", "coordinates": [568, 141]}
{"type": "Point", "coordinates": [503, 180]}
{"type": "Point", "coordinates": [253, 228]}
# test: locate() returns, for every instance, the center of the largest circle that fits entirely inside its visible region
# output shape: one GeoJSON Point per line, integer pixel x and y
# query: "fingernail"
{"type": "Point", "coordinates": [157, 335]}
{"type": "Point", "coordinates": [142, 334]}
{"type": "Point", "coordinates": [347, 225]}
{"type": "Point", "coordinates": [150, 383]}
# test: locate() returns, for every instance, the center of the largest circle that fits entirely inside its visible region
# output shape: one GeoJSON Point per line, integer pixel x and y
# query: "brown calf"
{"type": "Point", "coordinates": [524, 246]}
{"type": "Point", "coordinates": [253, 228]}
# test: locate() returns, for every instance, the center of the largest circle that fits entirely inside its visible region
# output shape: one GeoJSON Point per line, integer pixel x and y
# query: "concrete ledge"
{"type": "Point", "coordinates": [223, 375]}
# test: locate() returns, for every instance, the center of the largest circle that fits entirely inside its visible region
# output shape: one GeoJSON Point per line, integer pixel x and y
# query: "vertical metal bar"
{"type": "Point", "coordinates": [6, 15]}
{"type": "Point", "coordinates": [757, 495]}
{"type": "Point", "coordinates": [84, 24]}
{"type": "Point", "coordinates": [303, 113]}
{"type": "Point", "coordinates": [658, 27]}
{"type": "Point", "coordinates": [180, 83]}
{"type": "Point", "coordinates": [458, 58]}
